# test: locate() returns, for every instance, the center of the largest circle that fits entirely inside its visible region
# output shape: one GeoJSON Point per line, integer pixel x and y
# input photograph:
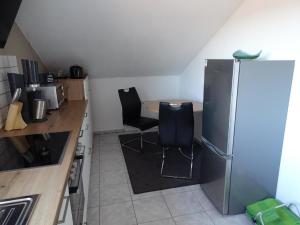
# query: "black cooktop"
{"type": "Point", "coordinates": [32, 150]}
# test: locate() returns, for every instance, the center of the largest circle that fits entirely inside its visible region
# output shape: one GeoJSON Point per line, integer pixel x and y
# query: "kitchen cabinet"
{"type": "Point", "coordinates": [78, 89]}
{"type": "Point", "coordinates": [86, 88]}
{"type": "Point", "coordinates": [85, 140]}
{"type": "Point", "coordinates": [74, 88]}
{"type": "Point", "coordinates": [65, 215]}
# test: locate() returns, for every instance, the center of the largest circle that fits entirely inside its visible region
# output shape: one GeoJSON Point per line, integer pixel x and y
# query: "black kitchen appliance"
{"type": "Point", "coordinates": [31, 73]}
{"type": "Point", "coordinates": [76, 191]}
{"type": "Point", "coordinates": [32, 150]}
{"type": "Point", "coordinates": [8, 12]}
{"type": "Point", "coordinates": [76, 72]}
{"type": "Point", "coordinates": [46, 78]}
{"type": "Point", "coordinates": [76, 188]}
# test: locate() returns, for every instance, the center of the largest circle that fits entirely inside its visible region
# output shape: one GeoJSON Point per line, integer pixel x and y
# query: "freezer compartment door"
{"type": "Point", "coordinates": [217, 102]}
{"type": "Point", "coordinates": [215, 178]}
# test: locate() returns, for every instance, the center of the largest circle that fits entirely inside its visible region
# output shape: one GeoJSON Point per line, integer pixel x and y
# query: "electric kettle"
{"type": "Point", "coordinates": [76, 72]}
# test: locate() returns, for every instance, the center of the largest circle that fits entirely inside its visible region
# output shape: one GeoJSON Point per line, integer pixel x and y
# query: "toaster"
{"type": "Point", "coordinates": [54, 94]}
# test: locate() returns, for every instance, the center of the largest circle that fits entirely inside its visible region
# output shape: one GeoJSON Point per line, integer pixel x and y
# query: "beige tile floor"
{"type": "Point", "coordinates": [112, 202]}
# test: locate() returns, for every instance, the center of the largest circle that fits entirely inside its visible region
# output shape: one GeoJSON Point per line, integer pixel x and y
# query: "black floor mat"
{"type": "Point", "coordinates": [144, 169]}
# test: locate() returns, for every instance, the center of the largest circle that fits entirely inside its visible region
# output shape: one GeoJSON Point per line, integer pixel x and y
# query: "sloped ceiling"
{"type": "Point", "coordinates": [117, 38]}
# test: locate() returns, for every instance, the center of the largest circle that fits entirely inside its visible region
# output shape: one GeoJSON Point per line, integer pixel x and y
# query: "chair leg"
{"type": "Point", "coordinates": [125, 145]}
{"type": "Point", "coordinates": [163, 161]}
{"type": "Point", "coordinates": [191, 158]}
{"type": "Point", "coordinates": [142, 141]}
{"type": "Point", "coordinates": [192, 161]}
{"type": "Point", "coordinates": [150, 142]}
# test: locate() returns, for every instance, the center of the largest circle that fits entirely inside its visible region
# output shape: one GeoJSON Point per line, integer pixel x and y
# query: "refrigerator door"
{"type": "Point", "coordinates": [217, 102]}
{"type": "Point", "coordinates": [215, 176]}
{"type": "Point", "coordinates": [262, 105]}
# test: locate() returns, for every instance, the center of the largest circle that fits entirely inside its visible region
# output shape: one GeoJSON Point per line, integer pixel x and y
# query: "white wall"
{"type": "Point", "coordinates": [270, 25]}
{"type": "Point", "coordinates": [118, 38]}
{"type": "Point", "coordinates": [106, 106]}
{"type": "Point", "coordinates": [8, 64]}
{"type": "Point", "coordinates": [273, 26]}
{"type": "Point", "coordinates": [18, 45]}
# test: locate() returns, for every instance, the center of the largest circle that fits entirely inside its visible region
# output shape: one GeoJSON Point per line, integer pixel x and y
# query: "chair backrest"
{"type": "Point", "coordinates": [167, 125]}
{"type": "Point", "coordinates": [185, 125]}
{"type": "Point", "coordinates": [176, 124]}
{"type": "Point", "coordinates": [131, 104]}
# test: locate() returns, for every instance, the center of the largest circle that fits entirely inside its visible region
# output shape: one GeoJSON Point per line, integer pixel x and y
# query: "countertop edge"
{"type": "Point", "coordinates": [69, 118]}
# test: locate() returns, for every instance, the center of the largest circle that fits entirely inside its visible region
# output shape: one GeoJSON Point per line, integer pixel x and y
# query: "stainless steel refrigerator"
{"type": "Point", "coordinates": [244, 114]}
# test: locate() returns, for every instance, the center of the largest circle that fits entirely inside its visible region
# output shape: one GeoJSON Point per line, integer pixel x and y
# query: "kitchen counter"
{"type": "Point", "coordinates": [48, 181]}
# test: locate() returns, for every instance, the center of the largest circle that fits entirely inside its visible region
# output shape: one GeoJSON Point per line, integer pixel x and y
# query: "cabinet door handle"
{"type": "Point", "coordinates": [81, 133]}
{"type": "Point", "coordinates": [67, 198]}
{"type": "Point", "coordinates": [86, 127]}
{"type": "Point", "coordinates": [90, 151]}
{"type": "Point", "coordinates": [85, 114]}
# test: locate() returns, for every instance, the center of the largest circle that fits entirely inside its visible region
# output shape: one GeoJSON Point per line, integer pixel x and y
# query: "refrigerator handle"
{"type": "Point", "coordinates": [216, 151]}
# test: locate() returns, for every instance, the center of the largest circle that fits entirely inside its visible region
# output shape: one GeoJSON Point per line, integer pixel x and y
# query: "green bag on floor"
{"type": "Point", "coordinates": [271, 212]}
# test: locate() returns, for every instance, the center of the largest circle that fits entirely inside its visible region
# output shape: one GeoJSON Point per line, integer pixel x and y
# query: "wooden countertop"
{"type": "Point", "coordinates": [48, 181]}
{"type": "Point", "coordinates": [153, 106]}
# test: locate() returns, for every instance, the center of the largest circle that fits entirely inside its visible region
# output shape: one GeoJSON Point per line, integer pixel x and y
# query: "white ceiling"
{"type": "Point", "coordinates": [116, 38]}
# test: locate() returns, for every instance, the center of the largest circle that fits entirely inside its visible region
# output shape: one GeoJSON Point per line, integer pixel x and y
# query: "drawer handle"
{"type": "Point", "coordinates": [81, 133]}
{"type": "Point", "coordinates": [67, 198]}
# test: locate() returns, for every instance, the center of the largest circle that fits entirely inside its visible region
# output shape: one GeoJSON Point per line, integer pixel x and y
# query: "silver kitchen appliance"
{"type": "Point", "coordinates": [39, 109]}
{"type": "Point", "coordinates": [54, 93]}
{"type": "Point", "coordinates": [244, 114]}
{"type": "Point", "coordinates": [17, 210]}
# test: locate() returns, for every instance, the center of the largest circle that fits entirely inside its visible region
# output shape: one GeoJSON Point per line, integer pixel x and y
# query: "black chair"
{"type": "Point", "coordinates": [131, 110]}
{"type": "Point", "coordinates": [176, 130]}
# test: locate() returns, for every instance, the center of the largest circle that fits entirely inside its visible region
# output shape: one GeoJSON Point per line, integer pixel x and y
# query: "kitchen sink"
{"type": "Point", "coordinates": [17, 211]}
